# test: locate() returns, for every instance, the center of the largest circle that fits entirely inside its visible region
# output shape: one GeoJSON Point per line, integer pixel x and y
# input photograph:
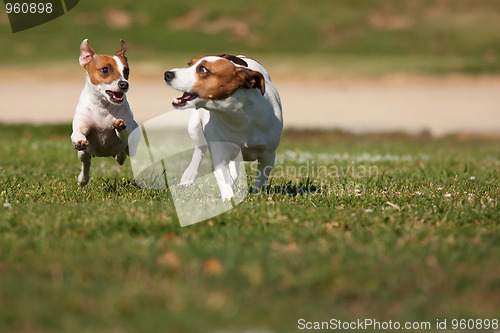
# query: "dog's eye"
{"type": "Point", "coordinates": [126, 72]}
{"type": "Point", "coordinates": [105, 70]}
{"type": "Point", "coordinates": [202, 69]}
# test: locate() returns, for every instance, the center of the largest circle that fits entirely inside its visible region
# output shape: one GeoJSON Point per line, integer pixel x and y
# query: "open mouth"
{"type": "Point", "coordinates": [115, 96]}
{"type": "Point", "coordinates": [184, 99]}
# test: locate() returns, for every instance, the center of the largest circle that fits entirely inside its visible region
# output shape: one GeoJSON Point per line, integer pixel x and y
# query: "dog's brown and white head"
{"type": "Point", "coordinates": [212, 80]}
{"type": "Point", "coordinates": [108, 74]}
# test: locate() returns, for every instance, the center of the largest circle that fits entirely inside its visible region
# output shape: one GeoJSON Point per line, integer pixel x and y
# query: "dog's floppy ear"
{"type": "Point", "coordinates": [251, 79]}
{"type": "Point", "coordinates": [86, 53]}
{"type": "Point", "coordinates": [121, 53]}
{"type": "Point", "coordinates": [235, 59]}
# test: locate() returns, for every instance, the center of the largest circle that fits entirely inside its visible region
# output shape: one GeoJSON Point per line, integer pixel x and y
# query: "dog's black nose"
{"type": "Point", "coordinates": [123, 85]}
{"type": "Point", "coordinates": [169, 76]}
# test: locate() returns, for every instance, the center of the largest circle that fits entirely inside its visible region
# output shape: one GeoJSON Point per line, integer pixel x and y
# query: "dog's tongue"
{"type": "Point", "coordinates": [115, 95]}
{"type": "Point", "coordinates": [186, 97]}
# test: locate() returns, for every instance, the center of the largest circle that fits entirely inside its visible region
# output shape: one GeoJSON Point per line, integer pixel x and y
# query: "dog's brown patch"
{"type": "Point", "coordinates": [235, 59]}
{"type": "Point", "coordinates": [221, 78]}
{"type": "Point", "coordinates": [195, 60]}
{"type": "Point", "coordinates": [229, 57]}
{"type": "Point", "coordinates": [104, 69]}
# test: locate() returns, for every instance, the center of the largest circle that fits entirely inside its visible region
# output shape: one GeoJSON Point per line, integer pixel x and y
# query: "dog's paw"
{"type": "Point", "coordinates": [120, 158]}
{"type": "Point", "coordinates": [227, 198]}
{"type": "Point", "coordinates": [119, 125]}
{"type": "Point", "coordinates": [186, 183]}
{"type": "Point", "coordinates": [83, 179]}
{"type": "Point", "coordinates": [226, 193]}
{"type": "Point", "coordinates": [81, 144]}
{"type": "Point", "coordinates": [188, 178]}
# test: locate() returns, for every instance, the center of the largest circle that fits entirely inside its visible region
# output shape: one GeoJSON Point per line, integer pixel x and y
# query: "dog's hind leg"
{"type": "Point", "coordinates": [121, 157]}
{"type": "Point", "coordinates": [84, 157]}
{"type": "Point", "coordinates": [266, 163]}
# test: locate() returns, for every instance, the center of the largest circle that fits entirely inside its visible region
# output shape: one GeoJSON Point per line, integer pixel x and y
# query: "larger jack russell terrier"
{"type": "Point", "coordinates": [231, 100]}
{"type": "Point", "coordinates": [103, 119]}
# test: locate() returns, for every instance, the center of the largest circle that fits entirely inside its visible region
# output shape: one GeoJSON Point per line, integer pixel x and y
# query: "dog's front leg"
{"type": "Point", "coordinates": [191, 171]}
{"type": "Point", "coordinates": [123, 129]}
{"type": "Point", "coordinates": [226, 166]}
{"type": "Point", "coordinates": [266, 163]}
{"type": "Point", "coordinates": [195, 130]}
{"type": "Point", "coordinates": [224, 181]}
{"type": "Point", "coordinates": [234, 171]}
{"type": "Point", "coordinates": [123, 134]}
{"type": "Point", "coordinates": [79, 139]}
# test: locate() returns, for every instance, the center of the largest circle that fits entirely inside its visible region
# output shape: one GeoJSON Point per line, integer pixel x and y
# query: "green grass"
{"type": "Point", "coordinates": [417, 239]}
{"type": "Point", "coordinates": [409, 36]}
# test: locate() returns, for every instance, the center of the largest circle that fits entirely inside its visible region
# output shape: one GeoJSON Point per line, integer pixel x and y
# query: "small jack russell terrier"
{"type": "Point", "coordinates": [231, 100]}
{"type": "Point", "coordinates": [103, 119]}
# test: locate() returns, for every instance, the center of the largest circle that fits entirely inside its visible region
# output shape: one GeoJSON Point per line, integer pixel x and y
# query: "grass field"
{"type": "Point", "coordinates": [399, 228]}
{"type": "Point", "coordinates": [389, 36]}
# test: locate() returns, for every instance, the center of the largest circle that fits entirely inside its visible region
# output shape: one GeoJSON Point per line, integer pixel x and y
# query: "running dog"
{"type": "Point", "coordinates": [103, 119]}
{"type": "Point", "coordinates": [231, 100]}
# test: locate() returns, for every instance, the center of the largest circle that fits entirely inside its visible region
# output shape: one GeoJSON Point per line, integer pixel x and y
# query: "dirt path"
{"type": "Point", "coordinates": [437, 105]}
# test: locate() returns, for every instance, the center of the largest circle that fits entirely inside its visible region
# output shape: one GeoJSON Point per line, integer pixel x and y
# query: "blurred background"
{"type": "Point", "coordinates": [427, 66]}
